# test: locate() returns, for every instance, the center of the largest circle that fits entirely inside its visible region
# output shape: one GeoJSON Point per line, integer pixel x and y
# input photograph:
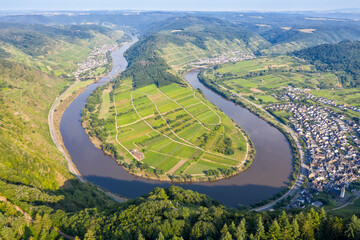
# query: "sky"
{"type": "Point", "coordinates": [179, 5]}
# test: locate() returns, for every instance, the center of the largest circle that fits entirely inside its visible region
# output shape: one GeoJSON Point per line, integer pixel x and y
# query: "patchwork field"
{"type": "Point", "coordinates": [350, 96]}
{"type": "Point", "coordinates": [171, 132]}
{"type": "Point", "coordinates": [259, 79]}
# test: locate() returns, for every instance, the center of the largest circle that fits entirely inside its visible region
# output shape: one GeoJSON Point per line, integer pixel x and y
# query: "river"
{"type": "Point", "coordinates": [269, 172]}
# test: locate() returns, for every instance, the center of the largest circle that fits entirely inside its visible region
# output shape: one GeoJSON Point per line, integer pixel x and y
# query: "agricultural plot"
{"type": "Point", "coordinates": [170, 131]}
{"type": "Point", "coordinates": [349, 96]}
{"type": "Point", "coordinates": [259, 79]}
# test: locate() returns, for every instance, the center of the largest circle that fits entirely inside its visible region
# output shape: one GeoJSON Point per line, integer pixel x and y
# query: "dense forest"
{"type": "Point", "coordinates": [146, 67]}
{"type": "Point", "coordinates": [343, 58]}
{"type": "Point", "coordinates": [171, 213]}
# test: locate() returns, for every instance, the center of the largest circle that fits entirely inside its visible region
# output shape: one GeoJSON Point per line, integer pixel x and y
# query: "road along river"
{"type": "Point", "coordinates": [269, 172]}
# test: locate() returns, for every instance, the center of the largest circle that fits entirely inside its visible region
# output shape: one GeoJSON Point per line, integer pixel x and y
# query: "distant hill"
{"type": "Point", "coordinates": [185, 39]}
{"type": "Point", "coordinates": [52, 49]}
{"type": "Point", "coordinates": [287, 39]}
{"type": "Point", "coordinates": [344, 58]}
{"type": "Point", "coordinates": [38, 39]}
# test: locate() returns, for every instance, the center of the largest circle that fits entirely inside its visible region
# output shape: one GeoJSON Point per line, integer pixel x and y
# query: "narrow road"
{"type": "Point", "coordinates": [71, 165]}
{"type": "Point", "coordinates": [303, 169]}
{"type": "Point", "coordinates": [347, 203]}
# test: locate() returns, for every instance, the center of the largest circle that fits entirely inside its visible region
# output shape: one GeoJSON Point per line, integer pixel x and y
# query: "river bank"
{"type": "Point", "coordinates": [56, 112]}
{"type": "Point", "coordinates": [298, 153]}
{"type": "Point", "coordinates": [268, 175]}
{"type": "Point", "coordinates": [102, 140]}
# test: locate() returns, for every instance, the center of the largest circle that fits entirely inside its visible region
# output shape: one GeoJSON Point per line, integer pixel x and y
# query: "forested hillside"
{"type": "Point", "coordinates": [344, 58]}
{"type": "Point", "coordinates": [290, 32]}
{"type": "Point", "coordinates": [196, 37]}
{"type": "Point", "coordinates": [174, 213]}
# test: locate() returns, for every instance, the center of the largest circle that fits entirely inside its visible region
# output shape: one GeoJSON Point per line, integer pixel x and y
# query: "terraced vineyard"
{"type": "Point", "coordinates": [64, 54]}
{"type": "Point", "coordinates": [171, 132]}
{"type": "Point", "coordinates": [178, 57]}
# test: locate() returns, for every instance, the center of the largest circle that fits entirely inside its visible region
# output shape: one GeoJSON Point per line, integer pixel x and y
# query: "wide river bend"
{"type": "Point", "coordinates": [269, 172]}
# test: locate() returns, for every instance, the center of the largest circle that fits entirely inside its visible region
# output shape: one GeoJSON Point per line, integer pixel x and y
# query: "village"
{"type": "Point", "coordinates": [232, 56]}
{"type": "Point", "coordinates": [96, 59]}
{"type": "Point", "coordinates": [331, 140]}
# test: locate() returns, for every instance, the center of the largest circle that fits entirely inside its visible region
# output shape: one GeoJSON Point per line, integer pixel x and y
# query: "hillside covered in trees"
{"type": "Point", "coordinates": [171, 213]}
{"type": "Point", "coordinates": [147, 64]}
{"type": "Point", "coordinates": [343, 58]}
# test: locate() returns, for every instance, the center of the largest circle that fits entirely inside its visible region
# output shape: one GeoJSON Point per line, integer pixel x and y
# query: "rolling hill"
{"type": "Point", "coordinates": [342, 58]}
{"type": "Point", "coordinates": [53, 49]}
{"type": "Point", "coordinates": [171, 45]}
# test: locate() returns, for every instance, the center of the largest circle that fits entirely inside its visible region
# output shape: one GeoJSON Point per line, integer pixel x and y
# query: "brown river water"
{"type": "Point", "coordinates": [268, 174]}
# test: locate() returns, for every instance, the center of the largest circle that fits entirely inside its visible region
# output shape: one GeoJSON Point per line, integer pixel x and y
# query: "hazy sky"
{"type": "Point", "coordinates": [196, 5]}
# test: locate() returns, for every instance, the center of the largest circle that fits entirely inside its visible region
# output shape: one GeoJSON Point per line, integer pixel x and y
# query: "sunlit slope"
{"type": "Point", "coordinates": [172, 45]}
{"type": "Point", "coordinates": [54, 50]}
{"type": "Point", "coordinates": [28, 154]}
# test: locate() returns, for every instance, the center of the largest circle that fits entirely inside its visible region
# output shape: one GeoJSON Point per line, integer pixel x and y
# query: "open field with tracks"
{"type": "Point", "coordinates": [171, 130]}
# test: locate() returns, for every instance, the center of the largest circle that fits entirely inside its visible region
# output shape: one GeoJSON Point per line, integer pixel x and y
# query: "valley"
{"type": "Point", "coordinates": [150, 111]}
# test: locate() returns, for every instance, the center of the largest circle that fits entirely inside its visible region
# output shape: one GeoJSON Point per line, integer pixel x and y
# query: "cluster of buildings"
{"type": "Point", "coordinates": [295, 93]}
{"type": "Point", "coordinates": [332, 143]}
{"type": "Point", "coordinates": [96, 59]}
{"type": "Point", "coordinates": [302, 199]}
{"type": "Point", "coordinates": [233, 56]}
{"type": "Point", "coordinates": [332, 103]}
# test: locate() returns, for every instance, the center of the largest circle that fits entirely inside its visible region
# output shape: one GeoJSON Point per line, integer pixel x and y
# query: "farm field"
{"type": "Point", "coordinates": [350, 96]}
{"type": "Point", "coordinates": [259, 79]}
{"type": "Point", "coordinates": [171, 131]}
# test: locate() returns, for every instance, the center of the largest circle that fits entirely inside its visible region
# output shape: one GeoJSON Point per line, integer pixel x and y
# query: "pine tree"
{"type": "Point", "coordinates": [224, 230]}
{"type": "Point", "coordinates": [331, 229]}
{"type": "Point", "coordinates": [226, 236]}
{"type": "Point", "coordinates": [140, 236]}
{"type": "Point", "coordinates": [274, 232]}
{"type": "Point", "coordinates": [307, 230]}
{"type": "Point", "coordinates": [353, 229]}
{"type": "Point", "coordinates": [232, 228]}
{"type": "Point", "coordinates": [315, 219]}
{"type": "Point", "coordinates": [161, 236]}
{"type": "Point", "coordinates": [240, 233]}
{"type": "Point", "coordinates": [260, 230]}
{"type": "Point", "coordinates": [295, 233]}
{"type": "Point", "coordinates": [285, 226]}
